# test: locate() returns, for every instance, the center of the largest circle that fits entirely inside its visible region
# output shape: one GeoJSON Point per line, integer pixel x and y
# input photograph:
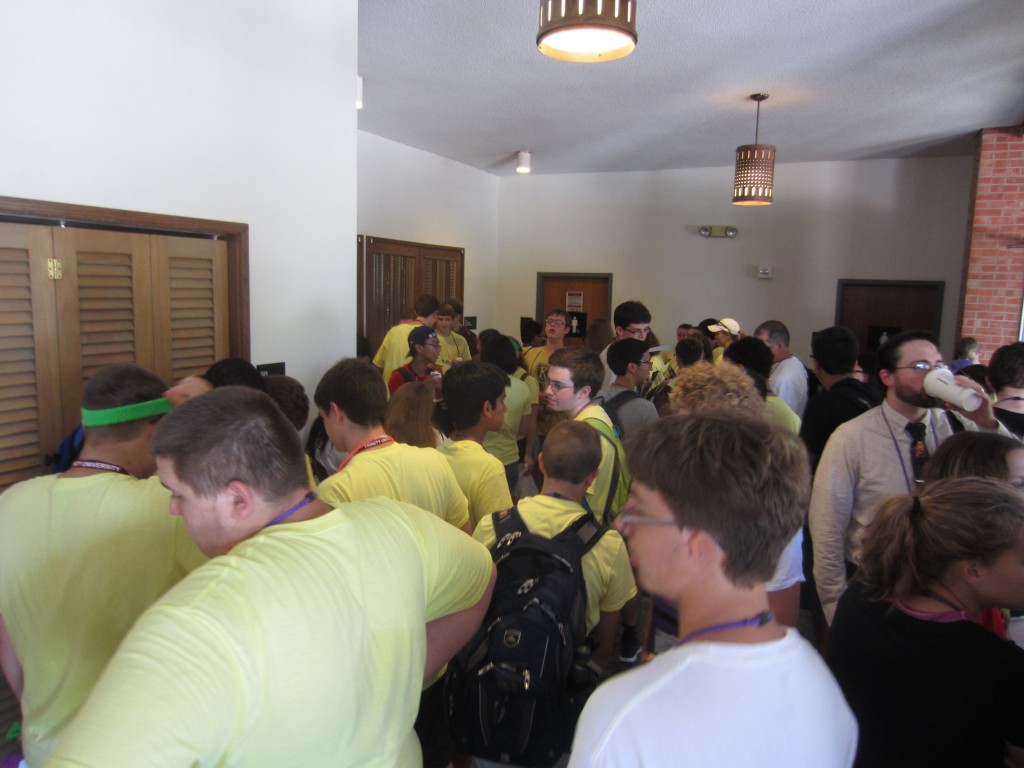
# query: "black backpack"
{"type": "Point", "coordinates": [516, 690]}
{"type": "Point", "coordinates": [612, 405]}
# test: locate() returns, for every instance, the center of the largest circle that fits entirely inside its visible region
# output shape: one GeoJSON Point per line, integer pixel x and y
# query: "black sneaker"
{"type": "Point", "coordinates": [630, 646]}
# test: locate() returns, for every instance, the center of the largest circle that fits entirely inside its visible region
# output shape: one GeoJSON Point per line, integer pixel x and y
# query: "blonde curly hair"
{"type": "Point", "coordinates": [714, 386]}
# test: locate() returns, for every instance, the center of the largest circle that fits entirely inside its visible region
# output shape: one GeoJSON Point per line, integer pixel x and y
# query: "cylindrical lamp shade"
{"type": "Point", "coordinates": [587, 30]}
{"type": "Point", "coordinates": [755, 174]}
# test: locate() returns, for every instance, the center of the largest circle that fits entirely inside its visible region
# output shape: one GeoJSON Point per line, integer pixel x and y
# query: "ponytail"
{"type": "Point", "coordinates": [914, 540]}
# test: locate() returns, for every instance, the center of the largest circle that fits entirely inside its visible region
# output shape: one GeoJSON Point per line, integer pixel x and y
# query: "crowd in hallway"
{"type": "Point", "coordinates": [541, 548]}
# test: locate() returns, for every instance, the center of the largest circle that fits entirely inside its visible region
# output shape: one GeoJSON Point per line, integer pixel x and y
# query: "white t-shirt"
{"type": "Point", "coordinates": [789, 381]}
{"type": "Point", "coordinates": [720, 704]}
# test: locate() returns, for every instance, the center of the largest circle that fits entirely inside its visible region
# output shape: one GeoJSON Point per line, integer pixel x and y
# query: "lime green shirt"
{"type": "Point", "coordinates": [503, 445]}
{"type": "Point", "coordinates": [419, 476]}
{"type": "Point", "coordinates": [80, 560]}
{"type": "Point", "coordinates": [304, 645]}
{"type": "Point", "coordinates": [480, 475]}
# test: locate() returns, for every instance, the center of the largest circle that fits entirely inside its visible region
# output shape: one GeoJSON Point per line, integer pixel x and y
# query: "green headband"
{"type": "Point", "coordinates": [106, 416]}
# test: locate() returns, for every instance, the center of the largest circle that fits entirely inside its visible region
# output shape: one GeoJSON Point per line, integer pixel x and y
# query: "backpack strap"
{"type": "Point", "coordinates": [605, 432]}
{"type": "Point", "coordinates": [611, 406]}
{"type": "Point", "coordinates": [508, 526]}
{"type": "Point", "coordinates": [406, 373]}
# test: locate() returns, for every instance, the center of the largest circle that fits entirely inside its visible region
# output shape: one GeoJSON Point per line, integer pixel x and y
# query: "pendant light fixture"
{"type": "Point", "coordinates": [755, 167]}
{"type": "Point", "coordinates": [587, 30]}
{"type": "Point", "coordinates": [522, 161]}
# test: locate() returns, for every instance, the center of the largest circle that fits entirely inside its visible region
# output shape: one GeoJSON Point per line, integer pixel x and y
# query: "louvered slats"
{"type": "Point", "coordinates": [20, 433]}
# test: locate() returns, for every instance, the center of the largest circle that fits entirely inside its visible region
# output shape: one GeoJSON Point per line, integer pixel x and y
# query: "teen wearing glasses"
{"type": "Point", "coordinates": [737, 689]}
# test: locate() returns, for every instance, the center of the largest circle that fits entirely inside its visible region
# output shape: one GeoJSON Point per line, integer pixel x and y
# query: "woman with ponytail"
{"type": "Point", "coordinates": [929, 685]}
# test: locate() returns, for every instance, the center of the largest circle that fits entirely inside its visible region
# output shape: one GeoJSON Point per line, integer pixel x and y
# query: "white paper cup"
{"type": "Point", "coordinates": [941, 384]}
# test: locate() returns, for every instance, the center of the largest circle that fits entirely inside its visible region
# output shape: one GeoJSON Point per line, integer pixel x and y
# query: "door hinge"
{"type": "Point", "coordinates": [54, 269]}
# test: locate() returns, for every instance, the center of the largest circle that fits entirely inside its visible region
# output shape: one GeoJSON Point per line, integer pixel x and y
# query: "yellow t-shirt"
{"type": "Point", "coordinates": [305, 645]}
{"type": "Point", "coordinates": [480, 475]}
{"type": "Point", "coordinates": [778, 412]}
{"type": "Point", "coordinates": [80, 560]}
{"type": "Point", "coordinates": [419, 476]}
{"type": "Point", "coordinates": [393, 352]}
{"type": "Point", "coordinates": [503, 444]}
{"type": "Point", "coordinates": [597, 493]}
{"type": "Point", "coordinates": [531, 383]}
{"type": "Point", "coordinates": [453, 347]}
{"type": "Point", "coordinates": [606, 568]}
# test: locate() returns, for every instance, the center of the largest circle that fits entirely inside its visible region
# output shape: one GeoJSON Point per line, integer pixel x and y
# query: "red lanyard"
{"type": "Point", "coordinates": [373, 442]}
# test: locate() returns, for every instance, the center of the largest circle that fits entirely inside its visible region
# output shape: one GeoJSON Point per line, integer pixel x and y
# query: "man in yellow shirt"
{"type": "Point", "coordinates": [474, 396]}
{"type": "Point", "coordinates": [84, 553]}
{"type": "Point", "coordinates": [454, 347]}
{"type": "Point", "coordinates": [352, 400]}
{"type": "Point", "coordinates": [570, 460]}
{"type": "Point", "coordinates": [309, 621]}
{"type": "Point", "coordinates": [394, 349]}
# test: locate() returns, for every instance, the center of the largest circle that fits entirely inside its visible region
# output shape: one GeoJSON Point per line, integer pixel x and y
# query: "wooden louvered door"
{"type": "Point", "coordinates": [393, 273]}
{"type": "Point", "coordinates": [74, 300]}
{"type": "Point", "coordinates": [105, 310]}
{"type": "Point", "coordinates": [190, 290]}
{"type": "Point", "coordinates": [30, 420]}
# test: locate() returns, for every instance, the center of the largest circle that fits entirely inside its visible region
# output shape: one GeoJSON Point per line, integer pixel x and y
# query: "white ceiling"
{"type": "Point", "coordinates": [848, 79]}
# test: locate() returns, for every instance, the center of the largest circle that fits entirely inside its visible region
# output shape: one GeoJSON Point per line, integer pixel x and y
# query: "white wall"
{"type": "Point", "coordinates": [408, 194]}
{"type": "Point", "coordinates": [240, 110]}
{"type": "Point", "coordinates": [877, 219]}
{"type": "Point", "coordinates": [874, 219]}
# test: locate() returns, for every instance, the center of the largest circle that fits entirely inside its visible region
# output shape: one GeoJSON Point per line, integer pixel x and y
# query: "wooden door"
{"type": "Point", "coordinates": [876, 309]}
{"type": "Point", "coordinates": [552, 289]}
{"type": "Point", "coordinates": [190, 299]}
{"type": "Point", "coordinates": [30, 419]}
{"type": "Point", "coordinates": [104, 306]}
{"type": "Point", "coordinates": [393, 273]}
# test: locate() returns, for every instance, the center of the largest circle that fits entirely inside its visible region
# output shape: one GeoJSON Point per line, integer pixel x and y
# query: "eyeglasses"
{"type": "Point", "coordinates": [644, 362]}
{"type": "Point", "coordinates": [923, 367]}
{"type": "Point", "coordinates": [558, 386]}
{"type": "Point", "coordinates": [435, 346]}
{"type": "Point", "coordinates": [634, 331]}
{"type": "Point", "coordinates": [554, 322]}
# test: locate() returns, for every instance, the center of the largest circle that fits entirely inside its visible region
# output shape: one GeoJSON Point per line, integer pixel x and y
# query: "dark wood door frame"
{"type": "Point", "coordinates": [541, 309]}
{"type": "Point", "coordinates": [235, 235]}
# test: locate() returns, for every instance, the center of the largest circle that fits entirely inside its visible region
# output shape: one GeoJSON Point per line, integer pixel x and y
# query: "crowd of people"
{"type": "Point", "coordinates": [508, 550]}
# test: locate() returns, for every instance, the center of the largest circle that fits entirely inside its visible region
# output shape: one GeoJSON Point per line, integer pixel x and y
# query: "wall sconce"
{"type": "Point", "coordinates": [359, 91]}
{"type": "Point", "coordinates": [522, 161]}
{"type": "Point", "coordinates": [718, 231]}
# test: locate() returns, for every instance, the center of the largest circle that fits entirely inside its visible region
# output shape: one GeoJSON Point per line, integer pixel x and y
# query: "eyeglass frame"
{"type": "Point", "coordinates": [922, 367]}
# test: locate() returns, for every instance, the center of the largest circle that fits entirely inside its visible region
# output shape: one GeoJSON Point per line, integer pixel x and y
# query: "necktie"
{"type": "Point", "coordinates": [918, 449]}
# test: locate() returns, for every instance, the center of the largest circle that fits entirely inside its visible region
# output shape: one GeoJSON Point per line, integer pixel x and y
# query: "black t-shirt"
{"type": "Point", "coordinates": [925, 693]}
{"type": "Point", "coordinates": [847, 399]}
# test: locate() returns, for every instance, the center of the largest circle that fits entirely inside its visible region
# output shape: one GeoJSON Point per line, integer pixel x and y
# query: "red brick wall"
{"type": "Point", "coordinates": [993, 285]}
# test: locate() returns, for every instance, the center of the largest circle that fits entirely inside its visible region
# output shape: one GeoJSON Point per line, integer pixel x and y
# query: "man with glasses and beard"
{"type": "Point", "coordinates": [879, 453]}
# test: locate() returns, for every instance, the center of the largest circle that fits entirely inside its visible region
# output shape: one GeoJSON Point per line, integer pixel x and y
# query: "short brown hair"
{"type": "Point", "coordinates": [737, 477]}
{"type": "Point", "coordinates": [572, 450]}
{"type": "Point", "coordinates": [714, 386]}
{"type": "Point", "coordinates": [584, 364]}
{"type": "Point", "coordinates": [113, 386]}
{"type": "Point", "coordinates": [232, 433]}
